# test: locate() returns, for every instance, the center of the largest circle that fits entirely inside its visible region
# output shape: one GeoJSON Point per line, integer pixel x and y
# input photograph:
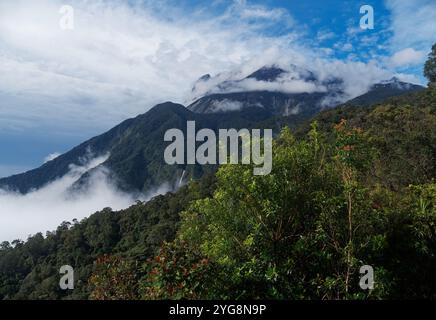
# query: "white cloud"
{"type": "Point", "coordinates": [280, 85]}
{"type": "Point", "coordinates": [51, 156]}
{"type": "Point", "coordinates": [357, 78]}
{"type": "Point", "coordinates": [410, 78]}
{"type": "Point", "coordinates": [260, 12]}
{"type": "Point", "coordinates": [46, 208]}
{"type": "Point", "coordinates": [413, 24]}
{"type": "Point", "coordinates": [408, 56]}
{"type": "Point", "coordinates": [226, 105]}
{"type": "Point", "coordinates": [119, 60]}
{"type": "Point", "coordinates": [353, 30]}
{"type": "Point", "coordinates": [347, 47]}
{"type": "Point", "coordinates": [323, 35]}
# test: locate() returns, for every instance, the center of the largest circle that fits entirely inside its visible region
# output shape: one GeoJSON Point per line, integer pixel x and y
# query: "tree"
{"type": "Point", "coordinates": [300, 232]}
{"type": "Point", "coordinates": [114, 278]}
{"type": "Point", "coordinates": [430, 65]}
{"type": "Point", "coordinates": [5, 245]}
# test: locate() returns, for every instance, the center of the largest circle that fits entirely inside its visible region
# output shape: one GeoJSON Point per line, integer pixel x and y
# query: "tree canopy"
{"type": "Point", "coordinates": [430, 65]}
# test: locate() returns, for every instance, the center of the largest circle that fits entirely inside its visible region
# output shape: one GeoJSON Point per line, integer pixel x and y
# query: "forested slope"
{"type": "Point", "coordinates": [355, 189]}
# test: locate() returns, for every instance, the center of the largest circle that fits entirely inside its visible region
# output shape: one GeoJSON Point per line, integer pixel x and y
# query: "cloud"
{"type": "Point", "coordinates": [347, 47]}
{"type": "Point", "coordinates": [226, 105]}
{"type": "Point", "coordinates": [408, 56]}
{"type": "Point", "coordinates": [123, 57]}
{"type": "Point", "coordinates": [405, 77]}
{"type": "Point", "coordinates": [323, 35]}
{"type": "Point", "coordinates": [289, 86]}
{"type": "Point", "coordinates": [280, 85]}
{"type": "Point", "coordinates": [119, 60]}
{"type": "Point", "coordinates": [51, 156]}
{"type": "Point", "coordinates": [46, 208]}
{"type": "Point", "coordinates": [259, 12]}
{"type": "Point", "coordinates": [413, 24]}
{"type": "Point", "coordinates": [355, 78]}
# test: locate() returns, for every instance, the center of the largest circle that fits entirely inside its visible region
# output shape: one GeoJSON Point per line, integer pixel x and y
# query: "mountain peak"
{"type": "Point", "coordinates": [204, 77]}
{"type": "Point", "coordinates": [393, 80]}
{"type": "Point", "coordinates": [266, 73]}
{"type": "Point", "coordinates": [396, 83]}
{"type": "Point", "coordinates": [167, 107]}
{"type": "Point", "coordinates": [384, 90]}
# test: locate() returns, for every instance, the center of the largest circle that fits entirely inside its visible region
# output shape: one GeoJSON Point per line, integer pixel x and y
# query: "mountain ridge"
{"type": "Point", "coordinates": [126, 241]}
{"type": "Point", "coordinates": [136, 145]}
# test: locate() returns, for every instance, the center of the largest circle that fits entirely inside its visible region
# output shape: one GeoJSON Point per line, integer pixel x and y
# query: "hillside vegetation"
{"type": "Point", "coordinates": [356, 188]}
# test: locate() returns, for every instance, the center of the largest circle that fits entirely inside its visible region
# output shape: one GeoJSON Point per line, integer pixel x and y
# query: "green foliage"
{"type": "Point", "coordinates": [302, 232]}
{"type": "Point", "coordinates": [173, 274]}
{"type": "Point", "coordinates": [402, 131]}
{"type": "Point", "coordinates": [430, 65]}
{"type": "Point", "coordinates": [114, 278]}
{"type": "Point", "coordinates": [30, 270]}
{"type": "Point", "coordinates": [411, 254]}
{"type": "Point", "coordinates": [263, 231]}
{"type": "Point", "coordinates": [356, 188]}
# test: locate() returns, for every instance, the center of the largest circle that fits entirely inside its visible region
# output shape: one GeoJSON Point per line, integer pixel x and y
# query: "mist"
{"type": "Point", "coordinates": [46, 208]}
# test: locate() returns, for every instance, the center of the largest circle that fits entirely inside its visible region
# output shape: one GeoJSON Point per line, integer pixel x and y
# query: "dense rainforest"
{"type": "Point", "coordinates": [352, 187]}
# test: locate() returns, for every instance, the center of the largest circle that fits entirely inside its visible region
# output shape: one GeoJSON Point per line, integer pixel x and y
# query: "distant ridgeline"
{"type": "Point", "coordinates": [136, 146]}
{"type": "Point", "coordinates": [355, 189]}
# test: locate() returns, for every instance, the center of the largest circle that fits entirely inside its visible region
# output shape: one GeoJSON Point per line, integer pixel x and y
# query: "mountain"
{"type": "Point", "coordinates": [402, 129]}
{"type": "Point", "coordinates": [276, 103]}
{"type": "Point", "coordinates": [122, 255]}
{"type": "Point", "coordinates": [384, 90]}
{"type": "Point", "coordinates": [269, 88]}
{"type": "Point", "coordinates": [135, 148]}
{"type": "Point", "coordinates": [137, 232]}
{"type": "Point", "coordinates": [266, 88]}
{"type": "Point", "coordinates": [267, 74]}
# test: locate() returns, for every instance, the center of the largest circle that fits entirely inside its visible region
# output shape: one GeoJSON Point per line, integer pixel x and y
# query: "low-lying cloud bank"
{"type": "Point", "coordinates": [46, 208]}
{"type": "Point", "coordinates": [351, 78]}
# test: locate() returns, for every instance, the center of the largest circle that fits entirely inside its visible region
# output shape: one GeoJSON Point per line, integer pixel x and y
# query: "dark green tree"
{"type": "Point", "coordinates": [430, 65]}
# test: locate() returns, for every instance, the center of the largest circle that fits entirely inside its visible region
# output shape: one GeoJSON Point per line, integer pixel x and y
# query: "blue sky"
{"type": "Point", "coordinates": [60, 87]}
